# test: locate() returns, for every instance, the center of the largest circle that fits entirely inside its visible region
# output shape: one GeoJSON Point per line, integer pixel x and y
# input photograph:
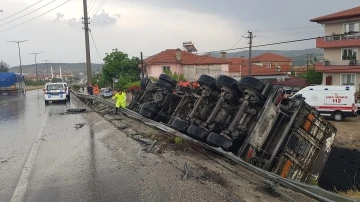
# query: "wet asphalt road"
{"type": "Point", "coordinates": [46, 155]}
{"type": "Point", "coordinates": [32, 137]}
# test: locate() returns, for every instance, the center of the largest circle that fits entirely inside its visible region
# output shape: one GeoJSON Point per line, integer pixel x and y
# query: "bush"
{"type": "Point", "coordinates": [132, 87]}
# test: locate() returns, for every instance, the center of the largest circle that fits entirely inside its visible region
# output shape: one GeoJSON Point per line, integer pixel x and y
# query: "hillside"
{"type": "Point", "coordinates": [299, 56]}
{"type": "Point", "coordinates": [65, 67]}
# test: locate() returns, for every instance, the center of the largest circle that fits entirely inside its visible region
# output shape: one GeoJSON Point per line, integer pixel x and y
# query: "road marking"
{"type": "Point", "coordinates": [21, 187]}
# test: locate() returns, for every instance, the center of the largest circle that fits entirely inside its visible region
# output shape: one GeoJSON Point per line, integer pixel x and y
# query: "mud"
{"type": "Point", "coordinates": [342, 170]}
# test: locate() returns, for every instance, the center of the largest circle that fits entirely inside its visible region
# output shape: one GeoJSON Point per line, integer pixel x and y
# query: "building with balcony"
{"type": "Point", "coordinates": [341, 45]}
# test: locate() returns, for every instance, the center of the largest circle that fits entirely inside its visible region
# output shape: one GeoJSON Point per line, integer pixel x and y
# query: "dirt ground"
{"type": "Point", "coordinates": [348, 134]}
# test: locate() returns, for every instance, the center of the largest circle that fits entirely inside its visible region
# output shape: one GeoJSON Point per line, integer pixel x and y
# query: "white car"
{"type": "Point", "coordinates": [55, 92]}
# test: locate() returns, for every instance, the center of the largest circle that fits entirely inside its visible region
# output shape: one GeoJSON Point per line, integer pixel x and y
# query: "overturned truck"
{"type": "Point", "coordinates": [248, 118]}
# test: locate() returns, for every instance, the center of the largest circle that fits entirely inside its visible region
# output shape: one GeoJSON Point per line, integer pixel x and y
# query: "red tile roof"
{"type": "Point", "coordinates": [293, 81]}
{"type": "Point", "coordinates": [337, 69]}
{"type": "Point", "coordinates": [352, 12]}
{"type": "Point", "coordinates": [270, 57]}
{"type": "Point", "coordinates": [169, 56]}
{"type": "Point", "coordinates": [299, 69]}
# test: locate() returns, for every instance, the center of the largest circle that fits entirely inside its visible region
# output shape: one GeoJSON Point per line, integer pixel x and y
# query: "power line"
{"type": "Point", "coordinates": [21, 10]}
{"type": "Point", "coordinates": [95, 45]}
{"type": "Point", "coordinates": [34, 17]}
{"type": "Point", "coordinates": [269, 44]}
{"type": "Point", "coordinates": [27, 14]}
{"type": "Point", "coordinates": [91, 4]}
{"type": "Point", "coordinates": [96, 11]}
{"type": "Point", "coordinates": [237, 42]}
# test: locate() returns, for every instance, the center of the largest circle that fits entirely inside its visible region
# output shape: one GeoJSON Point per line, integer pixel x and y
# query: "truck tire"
{"type": "Point", "coordinates": [338, 116]}
{"type": "Point", "coordinates": [151, 108]}
{"type": "Point", "coordinates": [205, 80]}
{"type": "Point", "coordinates": [197, 133]}
{"type": "Point", "coordinates": [132, 105]}
{"type": "Point", "coordinates": [164, 84]}
{"type": "Point", "coordinates": [168, 79]}
{"type": "Point", "coordinates": [180, 125]}
{"type": "Point", "coordinates": [218, 140]}
{"type": "Point", "coordinates": [146, 113]}
{"type": "Point", "coordinates": [251, 83]}
{"type": "Point", "coordinates": [226, 81]}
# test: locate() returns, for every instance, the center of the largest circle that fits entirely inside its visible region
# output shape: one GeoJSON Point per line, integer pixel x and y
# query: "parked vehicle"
{"type": "Point", "coordinates": [337, 102]}
{"type": "Point", "coordinates": [67, 89]}
{"type": "Point", "coordinates": [55, 92]}
{"type": "Point", "coordinates": [12, 84]}
{"type": "Point", "coordinates": [105, 93]}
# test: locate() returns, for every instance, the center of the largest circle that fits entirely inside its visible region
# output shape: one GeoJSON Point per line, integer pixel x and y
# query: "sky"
{"type": "Point", "coordinates": [151, 26]}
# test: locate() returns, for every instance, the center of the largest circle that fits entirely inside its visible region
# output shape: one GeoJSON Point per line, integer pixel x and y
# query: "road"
{"type": "Point", "coordinates": [48, 155]}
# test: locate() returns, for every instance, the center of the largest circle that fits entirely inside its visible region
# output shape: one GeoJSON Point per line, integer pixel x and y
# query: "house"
{"type": "Point", "coordinates": [277, 63]}
{"type": "Point", "coordinates": [183, 62]}
{"type": "Point", "coordinates": [341, 44]}
{"type": "Point", "coordinates": [263, 67]}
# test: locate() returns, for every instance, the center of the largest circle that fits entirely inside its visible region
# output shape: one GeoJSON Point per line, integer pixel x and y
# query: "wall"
{"type": "Point", "coordinates": [336, 28]}
{"type": "Point", "coordinates": [193, 72]}
{"type": "Point", "coordinates": [156, 70]}
{"type": "Point", "coordinates": [333, 54]}
{"type": "Point", "coordinates": [336, 78]}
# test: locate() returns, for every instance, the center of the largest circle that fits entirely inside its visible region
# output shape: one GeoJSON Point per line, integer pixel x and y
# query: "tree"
{"type": "Point", "coordinates": [4, 67]}
{"type": "Point", "coordinates": [175, 76]}
{"type": "Point", "coordinates": [312, 76]}
{"type": "Point", "coordinates": [119, 65]}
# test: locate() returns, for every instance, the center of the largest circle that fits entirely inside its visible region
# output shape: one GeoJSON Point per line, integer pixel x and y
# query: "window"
{"type": "Point", "coordinates": [351, 27]}
{"type": "Point", "coordinates": [349, 54]}
{"type": "Point", "coordinates": [348, 79]}
{"type": "Point", "coordinates": [166, 68]}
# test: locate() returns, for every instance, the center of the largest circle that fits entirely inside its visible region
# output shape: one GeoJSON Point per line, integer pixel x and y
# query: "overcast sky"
{"type": "Point", "coordinates": [151, 26]}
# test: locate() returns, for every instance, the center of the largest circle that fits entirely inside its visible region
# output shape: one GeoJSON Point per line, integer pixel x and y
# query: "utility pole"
{"type": "Point", "coordinates": [250, 49]}
{"type": "Point", "coordinates": [37, 78]}
{"type": "Point", "coordinates": [47, 68]}
{"type": "Point", "coordinates": [18, 42]}
{"type": "Point", "coordinates": [87, 45]}
{"type": "Point", "coordinates": [142, 65]}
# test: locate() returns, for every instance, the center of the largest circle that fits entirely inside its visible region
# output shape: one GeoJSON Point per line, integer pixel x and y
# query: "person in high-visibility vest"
{"type": "Point", "coordinates": [121, 100]}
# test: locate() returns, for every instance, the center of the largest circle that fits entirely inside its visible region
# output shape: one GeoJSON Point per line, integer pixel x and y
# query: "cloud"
{"type": "Point", "coordinates": [59, 16]}
{"type": "Point", "coordinates": [74, 22]}
{"type": "Point", "coordinates": [117, 15]}
{"type": "Point", "coordinates": [103, 19]}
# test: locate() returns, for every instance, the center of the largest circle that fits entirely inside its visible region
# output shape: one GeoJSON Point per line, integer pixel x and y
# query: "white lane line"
{"type": "Point", "coordinates": [19, 193]}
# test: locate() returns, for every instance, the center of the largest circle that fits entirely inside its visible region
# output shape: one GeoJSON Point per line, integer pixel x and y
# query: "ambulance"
{"type": "Point", "coordinates": [336, 102]}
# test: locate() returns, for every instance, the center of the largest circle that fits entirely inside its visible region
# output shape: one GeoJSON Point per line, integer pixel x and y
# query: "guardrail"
{"type": "Point", "coordinates": [311, 191]}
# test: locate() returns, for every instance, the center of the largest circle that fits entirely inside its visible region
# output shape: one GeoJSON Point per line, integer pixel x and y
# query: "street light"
{"type": "Point", "coordinates": [18, 42]}
{"type": "Point", "coordinates": [47, 68]}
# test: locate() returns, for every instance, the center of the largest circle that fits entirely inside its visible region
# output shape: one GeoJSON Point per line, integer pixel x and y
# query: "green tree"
{"type": "Point", "coordinates": [4, 67]}
{"type": "Point", "coordinates": [119, 65]}
{"type": "Point", "coordinates": [175, 76]}
{"type": "Point", "coordinates": [311, 75]}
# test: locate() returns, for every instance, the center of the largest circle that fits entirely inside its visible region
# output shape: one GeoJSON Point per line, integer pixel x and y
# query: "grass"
{"type": "Point", "coordinates": [351, 194]}
{"type": "Point", "coordinates": [28, 88]}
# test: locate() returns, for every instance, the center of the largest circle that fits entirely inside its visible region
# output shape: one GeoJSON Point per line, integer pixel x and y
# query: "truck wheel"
{"type": "Point", "coordinates": [165, 84]}
{"type": "Point", "coordinates": [168, 79]}
{"type": "Point", "coordinates": [151, 108]}
{"type": "Point", "coordinates": [146, 113]}
{"type": "Point", "coordinates": [217, 140]}
{"type": "Point", "coordinates": [338, 116]}
{"type": "Point", "coordinates": [179, 125]}
{"type": "Point", "coordinates": [132, 105]}
{"type": "Point", "coordinates": [249, 82]}
{"type": "Point", "coordinates": [197, 133]}
{"type": "Point", "coordinates": [226, 81]}
{"type": "Point", "coordinates": [205, 80]}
